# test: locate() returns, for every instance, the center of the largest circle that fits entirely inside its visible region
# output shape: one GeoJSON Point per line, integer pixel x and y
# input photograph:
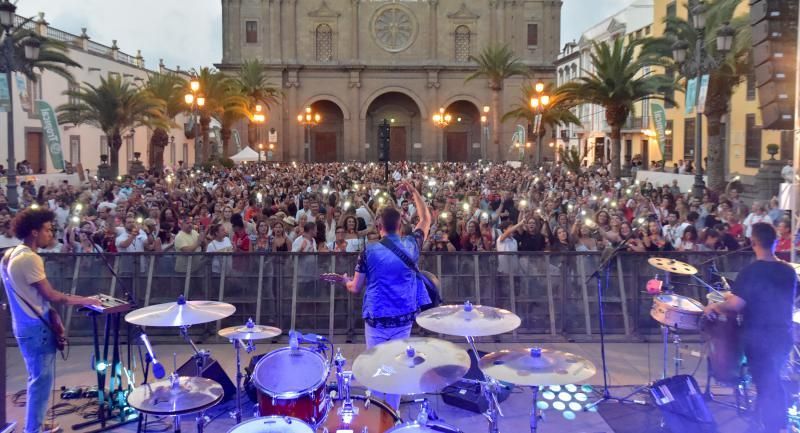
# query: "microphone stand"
{"type": "Point", "coordinates": [601, 274]}
{"type": "Point", "coordinates": [130, 298]}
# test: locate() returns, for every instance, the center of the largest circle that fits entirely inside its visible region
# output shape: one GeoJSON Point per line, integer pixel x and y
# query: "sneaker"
{"type": "Point", "coordinates": [49, 427]}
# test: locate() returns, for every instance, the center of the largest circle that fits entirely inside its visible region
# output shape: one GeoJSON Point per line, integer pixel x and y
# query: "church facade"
{"type": "Point", "coordinates": [358, 63]}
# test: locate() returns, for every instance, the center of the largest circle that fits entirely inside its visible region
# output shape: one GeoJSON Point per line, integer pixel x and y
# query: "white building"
{"type": "Point", "coordinates": [568, 68]}
{"type": "Point", "coordinates": [633, 22]}
{"type": "Point", "coordinates": [83, 144]}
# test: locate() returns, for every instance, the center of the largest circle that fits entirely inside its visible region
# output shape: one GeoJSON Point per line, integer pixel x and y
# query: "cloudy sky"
{"type": "Point", "coordinates": [187, 32]}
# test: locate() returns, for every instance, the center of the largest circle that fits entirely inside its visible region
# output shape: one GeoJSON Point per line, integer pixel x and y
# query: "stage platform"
{"type": "Point", "coordinates": [630, 364]}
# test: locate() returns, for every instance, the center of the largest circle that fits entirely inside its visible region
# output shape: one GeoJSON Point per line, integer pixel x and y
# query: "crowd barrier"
{"type": "Point", "coordinates": [554, 294]}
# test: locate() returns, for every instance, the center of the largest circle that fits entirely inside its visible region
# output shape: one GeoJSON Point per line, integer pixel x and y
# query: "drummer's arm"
{"type": "Point", "coordinates": [355, 284]}
{"type": "Point", "coordinates": [732, 304]}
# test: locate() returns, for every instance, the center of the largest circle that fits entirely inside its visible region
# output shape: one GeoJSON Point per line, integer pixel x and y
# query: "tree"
{"type": "Point", "coordinates": [556, 113]}
{"type": "Point", "coordinates": [169, 89]}
{"type": "Point", "coordinates": [616, 84]}
{"type": "Point", "coordinates": [256, 87]}
{"type": "Point", "coordinates": [237, 108]}
{"type": "Point", "coordinates": [495, 64]}
{"type": "Point", "coordinates": [221, 94]}
{"type": "Point", "coordinates": [113, 106]}
{"type": "Point", "coordinates": [52, 54]}
{"type": "Point", "coordinates": [731, 70]}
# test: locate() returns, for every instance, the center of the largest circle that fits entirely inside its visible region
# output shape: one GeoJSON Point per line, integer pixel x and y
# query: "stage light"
{"type": "Point", "coordinates": [569, 415]}
{"type": "Point", "coordinates": [564, 396]}
{"type": "Point", "coordinates": [542, 405]}
{"type": "Point", "coordinates": [579, 396]}
{"type": "Point", "coordinates": [554, 388]}
{"type": "Point", "coordinates": [570, 388]}
{"type": "Point", "coordinates": [559, 405]}
{"type": "Point", "coordinates": [588, 389]}
{"type": "Point", "coordinates": [575, 406]}
{"type": "Point", "coordinates": [547, 395]}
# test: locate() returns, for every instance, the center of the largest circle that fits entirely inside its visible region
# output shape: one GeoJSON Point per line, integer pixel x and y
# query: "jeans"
{"type": "Point", "coordinates": [765, 359]}
{"type": "Point", "coordinates": [38, 348]}
{"type": "Point", "coordinates": [375, 336]}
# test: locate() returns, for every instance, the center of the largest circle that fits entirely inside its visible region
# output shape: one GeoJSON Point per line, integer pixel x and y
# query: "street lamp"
{"type": "Point", "coordinates": [703, 63]}
{"type": "Point", "coordinates": [539, 103]}
{"type": "Point", "coordinates": [259, 118]}
{"type": "Point", "coordinates": [308, 119]}
{"type": "Point", "coordinates": [9, 63]}
{"type": "Point", "coordinates": [260, 149]}
{"type": "Point", "coordinates": [442, 118]}
{"type": "Point", "coordinates": [195, 101]}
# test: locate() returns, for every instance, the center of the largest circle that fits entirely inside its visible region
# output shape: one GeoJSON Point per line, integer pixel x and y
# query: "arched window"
{"type": "Point", "coordinates": [324, 43]}
{"type": "Point", "coordinates": [462, 44]}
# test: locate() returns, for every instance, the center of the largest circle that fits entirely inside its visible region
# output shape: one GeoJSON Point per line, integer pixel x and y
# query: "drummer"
{"type": "Point", "coordinates": [764, 293]}
{"type": "Point", "coordinates": [390, 298]}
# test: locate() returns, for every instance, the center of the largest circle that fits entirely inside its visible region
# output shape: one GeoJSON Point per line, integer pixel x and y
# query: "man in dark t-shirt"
{"type": "Point", "coordinates": [764, 294]}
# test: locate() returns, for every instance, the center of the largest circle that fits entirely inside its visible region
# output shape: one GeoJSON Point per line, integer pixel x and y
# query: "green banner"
{"type": "Point", "coordinates": [52, 137]}
{"type": "Point", "coordinates": [660, 124]}
{"type": "Point", "coordinates": [691, 94]}
{"type": "Point", "coordinates": [5, 97]}
{"type": "Point", "coordinates": [701, 99]}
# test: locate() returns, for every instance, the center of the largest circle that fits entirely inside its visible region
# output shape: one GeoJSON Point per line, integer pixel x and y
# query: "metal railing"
{"type": "Point", "coordinates": [552, 293]}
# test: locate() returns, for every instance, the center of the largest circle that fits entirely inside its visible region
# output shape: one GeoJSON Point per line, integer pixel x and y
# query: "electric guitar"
{"type": "Point", "coordinates": [331, 277]}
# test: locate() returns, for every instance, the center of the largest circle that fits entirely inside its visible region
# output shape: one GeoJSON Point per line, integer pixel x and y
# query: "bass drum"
{"type": "Point", "coordinates": [725, 349]}
{"type": "Point", "coordinates": [372, 416]}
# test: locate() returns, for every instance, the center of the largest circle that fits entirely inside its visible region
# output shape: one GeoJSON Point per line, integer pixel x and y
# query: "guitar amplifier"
{"type": "Point", "coordinates": [682, 406]}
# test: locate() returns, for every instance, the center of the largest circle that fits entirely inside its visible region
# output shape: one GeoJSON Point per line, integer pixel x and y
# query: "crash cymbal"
{"type": "Point", "coordinates": [180, 313]}
{"type": "Point", "coordinates": [191, 394]}
{"type": "Point", "coordinates": [249, 331]}
{"type": "Point", "coordinates": [537, 367]}
{"type": "Point", "coordinates": [413, 365]}
{"type": "Point", "coordinates": [672, 266]}
{"type": "Point", "coordinates": [467, 320]}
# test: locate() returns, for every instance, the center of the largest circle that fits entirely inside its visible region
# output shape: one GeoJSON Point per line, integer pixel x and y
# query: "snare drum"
{"type": "Point", "coordinates": [372, 416]}
{"type": "Point", "coordinates": [291, 382]}
{"type": "Point", "coordinates": [677, 312]}
{"type": "Point", "coordinates": [272, 424]}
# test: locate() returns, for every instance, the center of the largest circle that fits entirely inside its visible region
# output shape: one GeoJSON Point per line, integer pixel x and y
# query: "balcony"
{"type": "Point", "coordinates": [636, 124]}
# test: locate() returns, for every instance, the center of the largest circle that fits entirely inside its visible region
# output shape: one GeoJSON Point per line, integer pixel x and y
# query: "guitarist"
{"type": "Point", "coordinates": [37, 326]}
{"type": "Point", "coordinates": [391, 287]}
{"type": "Point", "coordinates": [764, 293]}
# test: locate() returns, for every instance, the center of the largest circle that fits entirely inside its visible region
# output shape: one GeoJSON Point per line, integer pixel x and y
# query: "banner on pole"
{"type": "Point", "coordinates": [52, 137]}
{"type": "Point", "coordinates": [22, 89]}
{"type": "Point", "coordinates": [691, 90]}
{"type": "Point", "coordinates": [701, 100]}
{"type": "Point", "coordinates": [5, 96]}
{"type": "Point", "coordinates": [660, 125]}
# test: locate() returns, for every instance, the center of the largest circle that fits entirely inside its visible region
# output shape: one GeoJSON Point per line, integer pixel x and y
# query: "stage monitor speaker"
{"type": "Point", "coordinates": [467, 395]}
{"type": "Point", "coordinates": [682, 405]}
{"type": "Point", "coordinates": [211, 371]}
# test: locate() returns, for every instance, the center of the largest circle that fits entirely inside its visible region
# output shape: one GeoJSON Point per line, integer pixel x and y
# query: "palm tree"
{"type": "Point", "coordinates": [221, 94]}
{"type": "Point", "coordinates": [495, 64]}
{"type": "Point", "coordinates": [113, 106]}
{"type": "Point", "coordinates": [254, 84]}
{"type": "Point", "coordinates": [52, 54]}
{"type": "Point", "coordinates": [167, 88]}
{"type": "Point", "coordinates": [733, 67]}
{"type": "Point", "coordinates": [557, 112]}
{"type": "Point", "coordinates": [616, 84]}
{"type": "Point", "coordinates": [236, 108]}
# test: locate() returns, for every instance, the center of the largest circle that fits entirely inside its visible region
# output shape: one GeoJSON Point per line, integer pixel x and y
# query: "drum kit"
{"type": "Point", "coordinates": [293, 394]}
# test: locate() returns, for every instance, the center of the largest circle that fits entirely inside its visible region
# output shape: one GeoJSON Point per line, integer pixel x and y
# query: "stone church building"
{"type": "Point", "coordinates": [359, 62]}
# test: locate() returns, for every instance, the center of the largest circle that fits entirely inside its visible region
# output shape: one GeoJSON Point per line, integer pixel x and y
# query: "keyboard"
{"type": "Point", "coordinates": [110, 305]}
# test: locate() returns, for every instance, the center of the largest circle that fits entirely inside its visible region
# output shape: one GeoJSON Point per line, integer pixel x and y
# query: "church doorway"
{"type": "Point", "coordinates": [403, 116]}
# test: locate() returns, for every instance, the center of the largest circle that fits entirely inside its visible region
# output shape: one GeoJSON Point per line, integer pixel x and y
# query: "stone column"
{"type": "Point", "coordinates": [276, 31]}
{"type": "Point", "coordinates": [433, 37]}
{"type": "Point", "coordinates": [492, 21]}
{"type": "Point", "coordinates": [264, 31]}
{"type": "Point", "coordinates": [226, 30]}
{"type": "Point", "coordinates": [354, 33]}
{"type": "Point", "coordinates": [354, 147]}
{"type": "Point", "coordinates": [296, 138]}
{"type": "Point", "coordinates": [291, 35]}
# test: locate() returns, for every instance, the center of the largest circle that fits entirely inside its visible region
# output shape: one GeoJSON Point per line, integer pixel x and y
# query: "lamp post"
{"type": "Point", "coordinates": [442, 119]}
{"type": "Point", "coordinates": [485, 130]}
{"type": "Point", "coordinates": [308, 119]}
{"type": "Point", "coordinates": [10, 63]}
{"type": "Point", "coordinates": [259, 118]}
{"type": "Point", "coordinates": [195, 101]}
{"type": "Point", "coordinates": [703, 63]}
{"type": "Point", "coordinates": [539, 103]}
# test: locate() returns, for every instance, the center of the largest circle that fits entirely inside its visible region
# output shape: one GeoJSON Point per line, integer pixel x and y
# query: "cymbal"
{"type": "Point", "coordinates": [180, 313]}
{"type": "Point", "coordinates": [412, 365]}
{"type": "Point", "coordinates": [249, 331]}
{"type": "Point", "coordinates": [673, 266]}
{"type": "Point", "coordinates": [537, 367]}
{"type": "Point", "coordinates": [467, 320]}
{"type": "Point", "coordinates": [192, 394]}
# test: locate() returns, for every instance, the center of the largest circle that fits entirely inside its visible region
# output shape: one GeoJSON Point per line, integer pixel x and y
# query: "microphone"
{"type": "Point", "coordinates": [724, 280]}
{"type": "Point", "coordinates": [306, 338]}
{"type": "Point", "coordinates": [158, 369]}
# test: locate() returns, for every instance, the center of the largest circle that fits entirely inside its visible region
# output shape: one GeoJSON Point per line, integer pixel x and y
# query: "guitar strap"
{"type": "Point", "coordinates": [6, 258]}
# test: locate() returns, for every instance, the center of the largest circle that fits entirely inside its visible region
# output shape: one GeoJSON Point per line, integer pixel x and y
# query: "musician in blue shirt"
{"type": "Point", "coordinates": [391, 296]}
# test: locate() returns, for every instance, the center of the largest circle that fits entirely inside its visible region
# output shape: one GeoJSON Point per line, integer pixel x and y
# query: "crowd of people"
{"type": "Point", "coordinates": [304, 207]}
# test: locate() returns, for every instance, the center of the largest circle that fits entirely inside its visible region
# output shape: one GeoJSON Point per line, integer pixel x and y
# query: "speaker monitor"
{"type": "Point", "coordinates": [682, 405]}
{"type": "Point", "coordinates": [467, 395]}
{"type": "Point", "coordinates": [211, 371]}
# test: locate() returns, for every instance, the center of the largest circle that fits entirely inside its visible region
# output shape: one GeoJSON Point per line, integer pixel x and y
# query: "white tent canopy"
{"type": "Point", "coordinates": [246, 154]}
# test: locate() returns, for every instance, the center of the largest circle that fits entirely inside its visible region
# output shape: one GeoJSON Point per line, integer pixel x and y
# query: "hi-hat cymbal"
{"type": "Point", "coordinates": [180, 313]}
{"type": "Point", "coordinates": [467, 320]}
{"type": "Point", "coordinates": [537, 367]}
{"type": "Point", "coordinates": [249, 331]}
{"type": "Point", "coordinates": [413, 365]}
{"type": "Point", "coordinates": [672, 266]}
{"type": "Point", "coordinates": [191, 394]}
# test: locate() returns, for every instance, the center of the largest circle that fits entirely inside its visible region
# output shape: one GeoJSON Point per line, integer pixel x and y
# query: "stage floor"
{"type": "Point", "coordinates": [629, 364]}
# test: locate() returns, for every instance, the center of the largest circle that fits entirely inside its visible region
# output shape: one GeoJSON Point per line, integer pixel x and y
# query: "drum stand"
{"type": "Point", "coordinates": [248, 347]}
{"type": "Point", "coordinates": [489, 387]}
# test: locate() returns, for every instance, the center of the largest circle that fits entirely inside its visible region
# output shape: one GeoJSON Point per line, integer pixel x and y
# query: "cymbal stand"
{"type": "Point", "coordinates": [535, 410]}
{"type": "Point", "coordinates": [200, 355]}
{"type": "Point", "coordinates": [249, 346]}
{"type": "Point", "coordinates": [490, 388]}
